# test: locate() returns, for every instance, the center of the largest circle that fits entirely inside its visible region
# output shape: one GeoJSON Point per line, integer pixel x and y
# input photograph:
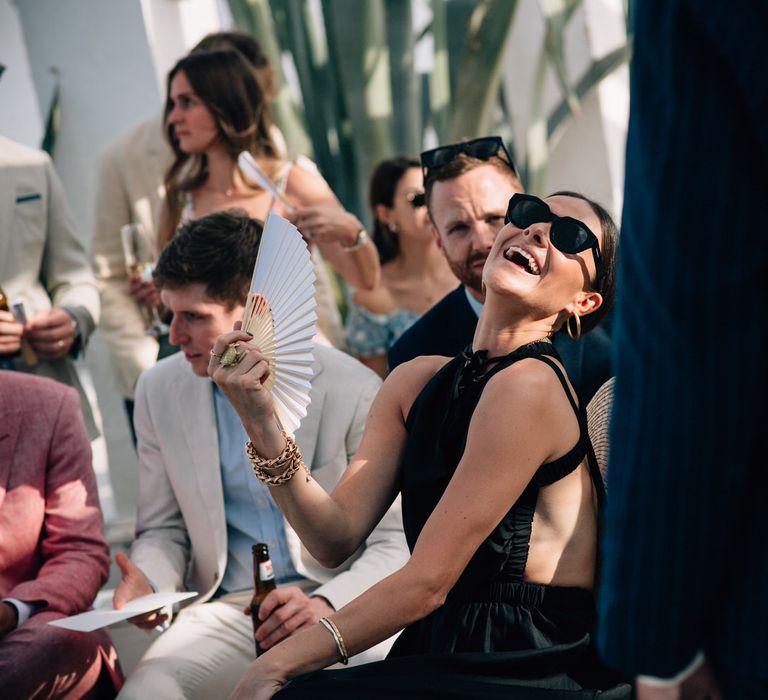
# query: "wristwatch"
{"type": "Point", "coordinates": [362, 237]}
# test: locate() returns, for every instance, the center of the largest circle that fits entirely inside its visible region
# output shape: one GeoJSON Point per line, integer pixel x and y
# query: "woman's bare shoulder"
{"type": "Point", "coordinates": [531, 391]}
{"type": "Point", "coordinates": [377, 300]}
{"type": "Point", "coordinates": [528, 383]}
{"type": "Point", "coordinates": [305, 187]}
{"type": "Point", "coordinates": [407, 380]}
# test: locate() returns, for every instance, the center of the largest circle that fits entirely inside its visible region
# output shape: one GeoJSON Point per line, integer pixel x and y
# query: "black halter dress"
{"type": "Point", "coordinates": [496, 636]}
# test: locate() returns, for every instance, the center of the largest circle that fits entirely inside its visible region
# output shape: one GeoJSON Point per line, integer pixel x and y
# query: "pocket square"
{"type": "Point", "coordinates": [28, 197]}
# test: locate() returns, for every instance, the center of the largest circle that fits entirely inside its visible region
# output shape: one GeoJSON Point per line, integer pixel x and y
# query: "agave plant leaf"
{"type": "Point", "coordinates": [440, 78]}
{"type": "Point", "coordinates": [628, 6]}
{"type": "Point", "coordinates": [536, 142]}
{"type": "Point", "coordinates": [255, 18]}
{"type": "Point", "coordinates": [362, 60]}
{"type": "Point", "coordinates": [478, 79]}
{"type": "Point", "coordinates": [304, 36]}
{"type": "Point", "coordinates": [406, 86]}
{"type": "Point", "coordinates": [458, 16]}
{"type": "Point", "coordinates": [505, 127]}
{"type": "Point", "coordinates": [542, 132]}
{"type": "Point", "coordinates": [557, 14]}
{"type": "Point", "coordinates": [598, 70]}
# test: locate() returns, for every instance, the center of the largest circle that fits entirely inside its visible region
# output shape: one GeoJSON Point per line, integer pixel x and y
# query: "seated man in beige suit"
{"type": "Point", "coordinates": [200, 509]}
{"type": "Point", "coordinates": [44, 267]}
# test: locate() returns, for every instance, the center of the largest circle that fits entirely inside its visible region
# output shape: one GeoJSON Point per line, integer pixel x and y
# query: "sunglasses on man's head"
{"type": "Point", "coordinates": [567, 234]}
{"type": "Point", "coordinates": [483, 148]}
{"type": "Point", "coordinates": [416, 199]}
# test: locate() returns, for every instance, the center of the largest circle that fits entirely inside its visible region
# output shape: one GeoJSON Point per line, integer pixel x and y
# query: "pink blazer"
{"type": "Point", "coordinates": [52, 547]}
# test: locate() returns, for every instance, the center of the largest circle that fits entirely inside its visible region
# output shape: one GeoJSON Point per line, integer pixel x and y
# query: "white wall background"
{"type": "Point", "coordinates": [19, 114]}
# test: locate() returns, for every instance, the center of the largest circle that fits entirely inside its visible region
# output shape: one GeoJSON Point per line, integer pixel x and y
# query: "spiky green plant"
{"type": "Point", "coordinates": [361, 99]}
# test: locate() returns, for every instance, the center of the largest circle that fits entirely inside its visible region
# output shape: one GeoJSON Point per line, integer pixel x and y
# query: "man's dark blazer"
{"type": "Point", "coordinates": [685, 564]}
{"type": "Point", "coordinates": [449, 326]}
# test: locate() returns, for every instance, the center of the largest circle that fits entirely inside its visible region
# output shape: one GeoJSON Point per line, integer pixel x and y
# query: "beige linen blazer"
{"type": "Point", "coordinates": [129, 189]}
{"type": "Point", "coordinates": [181, 527]}
{"type": "Point", "coordinates": [42, 260]}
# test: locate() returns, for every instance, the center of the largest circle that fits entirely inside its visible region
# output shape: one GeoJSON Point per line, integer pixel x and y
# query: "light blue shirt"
{"type": "Point", "coordinates": [476, 306]}
{"type": "Point", "coordinates": [252, 516]}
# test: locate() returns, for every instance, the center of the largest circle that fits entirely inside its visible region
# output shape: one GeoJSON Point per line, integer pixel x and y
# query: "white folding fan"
{"type": "Point", "coordinates": [247, 163]}
{"type": "Point", "coordinates": [280, 312]}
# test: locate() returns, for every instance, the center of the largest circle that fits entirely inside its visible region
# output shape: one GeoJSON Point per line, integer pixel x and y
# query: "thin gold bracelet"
{"type": "Point", "coordinates": [330, 625]}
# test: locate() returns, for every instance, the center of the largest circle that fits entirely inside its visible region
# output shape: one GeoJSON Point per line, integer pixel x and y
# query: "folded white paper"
{"type": "Point", "coordinates": [96, 619]}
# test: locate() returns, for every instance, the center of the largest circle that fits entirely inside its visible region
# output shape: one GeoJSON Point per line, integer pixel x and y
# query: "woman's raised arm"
{"type": "Point", "coordinates": [334, 230]}
{"type": "Point", "coordinates": [495, 468]}
{"type": "Point", "coordinates": [333, 526]}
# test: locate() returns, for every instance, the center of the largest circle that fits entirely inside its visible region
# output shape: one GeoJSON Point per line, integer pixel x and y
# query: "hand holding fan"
{"type": "Point", "coordinates": [280, 312]}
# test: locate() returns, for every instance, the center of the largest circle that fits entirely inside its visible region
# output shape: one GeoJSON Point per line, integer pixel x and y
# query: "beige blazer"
{"type": "Point", "coordinates": [42, 260]}
{"type": "Point", "coordinates": [181, 527]}
{"type": "Point", "coordinates": [129, 189]}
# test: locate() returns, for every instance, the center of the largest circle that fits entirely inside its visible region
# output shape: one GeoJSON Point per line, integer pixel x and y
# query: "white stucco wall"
{"type": "Point", "coordinates": [112, 57]}
{"type": "Point", "coordinates": [19, 115]}
{"type": "Point", "coordinates": [107, 81]}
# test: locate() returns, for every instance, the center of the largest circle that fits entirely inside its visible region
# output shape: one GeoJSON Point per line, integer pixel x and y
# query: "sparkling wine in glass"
{"type": "Point", "coordinates": [139, 253]}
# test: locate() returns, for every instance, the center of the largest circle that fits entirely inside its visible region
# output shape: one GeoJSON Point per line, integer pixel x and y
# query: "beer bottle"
{"type": "Point", "coordinates": [4, 306]}
{"type": "Point", "coordinates": [263, 583]}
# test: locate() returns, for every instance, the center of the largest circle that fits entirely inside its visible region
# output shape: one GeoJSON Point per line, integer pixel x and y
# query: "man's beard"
{"type": "Point", "coordinates": [467, 276]}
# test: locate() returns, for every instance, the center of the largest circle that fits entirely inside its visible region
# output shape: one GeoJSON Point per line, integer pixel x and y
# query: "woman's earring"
{"type": "Point", "coordinates": [573, 335]}
{"type": "Point", "coordinates": [393, 228]}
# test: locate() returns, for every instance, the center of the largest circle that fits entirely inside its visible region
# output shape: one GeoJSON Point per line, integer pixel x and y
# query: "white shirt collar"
{"type": "Point", "coordinates": [474, 304]}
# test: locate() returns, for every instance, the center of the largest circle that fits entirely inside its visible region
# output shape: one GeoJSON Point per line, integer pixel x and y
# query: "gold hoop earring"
{"type": "Point", "coordinates": [482, 287]}
{"type": "Point", "coordinates": [573, 335]}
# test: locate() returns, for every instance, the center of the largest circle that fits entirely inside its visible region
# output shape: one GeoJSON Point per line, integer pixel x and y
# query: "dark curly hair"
{"type": "Point", "coordinates": [218, 251]}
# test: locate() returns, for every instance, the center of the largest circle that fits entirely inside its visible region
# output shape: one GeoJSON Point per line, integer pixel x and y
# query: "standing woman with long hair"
{"type": "Point", "coordinates": [414, 273]}
{"type": "Point", "coordinates": [215, 109]}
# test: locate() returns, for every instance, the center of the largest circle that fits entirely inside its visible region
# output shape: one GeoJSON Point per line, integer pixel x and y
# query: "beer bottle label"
{"type": "Point", "coordinates": [265, 571]}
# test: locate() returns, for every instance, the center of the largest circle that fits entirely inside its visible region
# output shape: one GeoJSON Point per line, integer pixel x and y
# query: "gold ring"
{"type": "Point", "coordinates": [230, 357]}
{"type": "Point", "coordinates": [60, 343]}
{"type": "Point", "coordinates": [213, 354]}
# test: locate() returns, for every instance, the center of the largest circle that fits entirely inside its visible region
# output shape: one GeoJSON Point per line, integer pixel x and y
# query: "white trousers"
{"type": "Point", "coordinates": [203, 654]}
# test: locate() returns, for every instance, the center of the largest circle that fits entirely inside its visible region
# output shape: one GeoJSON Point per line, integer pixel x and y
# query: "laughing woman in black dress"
{"type": "Point", "coordinates": [500, 500]}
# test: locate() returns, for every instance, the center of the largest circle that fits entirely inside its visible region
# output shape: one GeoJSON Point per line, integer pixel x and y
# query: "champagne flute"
{"type": "Point", "coordinates": [139, 253]}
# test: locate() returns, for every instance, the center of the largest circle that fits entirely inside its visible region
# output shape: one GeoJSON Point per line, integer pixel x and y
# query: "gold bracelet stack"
{"type": "Point", "coordinates": [280, 470]}
{"type": "Point", "coordinates": [330, 625]}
